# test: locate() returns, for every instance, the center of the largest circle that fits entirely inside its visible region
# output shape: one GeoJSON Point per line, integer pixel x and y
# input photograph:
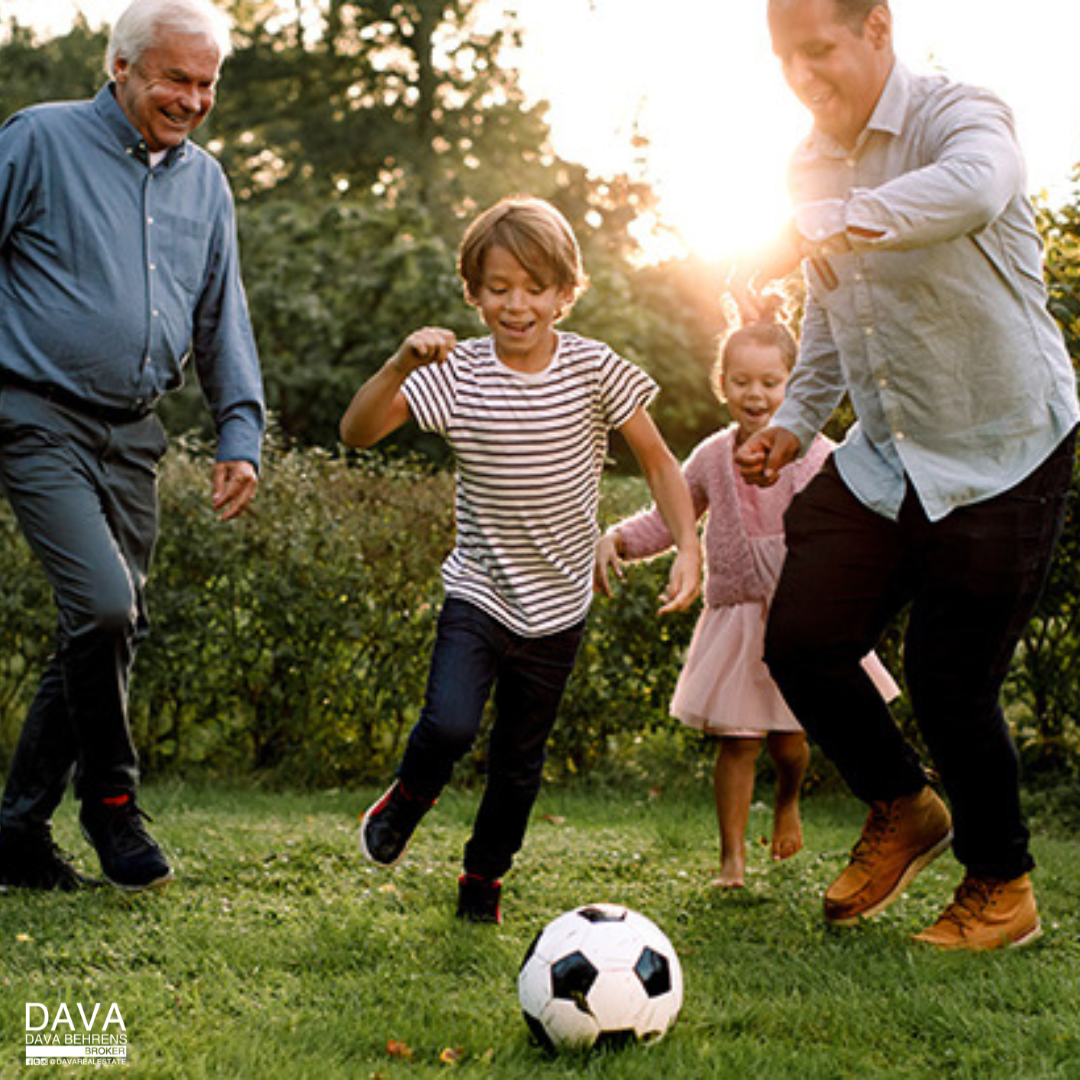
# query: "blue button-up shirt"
{"type": "Point", "coordinates": [113, 272]}
{"type": "Point", "coordinates": [937, 326]}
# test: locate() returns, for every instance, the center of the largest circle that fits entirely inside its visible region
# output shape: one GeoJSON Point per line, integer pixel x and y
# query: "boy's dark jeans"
{"type": "Point", "coordinates": [474, 652]}
{"type": "Point", "coordinates": [972, 581]}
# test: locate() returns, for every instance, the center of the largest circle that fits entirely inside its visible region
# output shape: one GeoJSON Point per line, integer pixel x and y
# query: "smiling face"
{"type": "Point", "coordinates": [753, 384]}
{"type": "Point", "coordinates": [836, 70]}
{"type": "Point", "coordinates": [169, 91]}
{"type": "Point", "coordinates": [520, 311]}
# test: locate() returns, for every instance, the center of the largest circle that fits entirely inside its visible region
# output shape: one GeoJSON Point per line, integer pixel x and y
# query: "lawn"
{"type": "Point", "coordinates": [278, 953]}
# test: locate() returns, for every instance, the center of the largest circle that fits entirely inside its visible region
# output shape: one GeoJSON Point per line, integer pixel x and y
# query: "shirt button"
{"type": "Point", "coordinates": [153, 266]}
{"type": "Point", "coordinates": [868, 331]}
{"type": "Point", "coordinates": [900, 436]}
{"type": "Point", "coordinates": [149, 221]}
{"type": "Point", "coordinates": [883, 382]}
{"type": "Point", "coordinates": [851, 163]}
{"type": "Point", "coordinates": [154, 313]}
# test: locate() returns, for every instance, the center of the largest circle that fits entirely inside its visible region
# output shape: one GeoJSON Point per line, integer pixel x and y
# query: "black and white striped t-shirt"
{"type": "Point", "coordinates": [529, 451]}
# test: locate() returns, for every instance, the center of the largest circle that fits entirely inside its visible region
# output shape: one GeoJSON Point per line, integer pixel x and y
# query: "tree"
{"type": "Point", "coordinates": [52, 69]}
{"type": "Point", "coordinates": [394, 96]}
{"type": "Point", "coordinates": [359, 137]}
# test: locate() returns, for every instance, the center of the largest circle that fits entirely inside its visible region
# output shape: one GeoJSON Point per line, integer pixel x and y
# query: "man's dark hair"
{"type": "Point", "coordinates": [853, 13]}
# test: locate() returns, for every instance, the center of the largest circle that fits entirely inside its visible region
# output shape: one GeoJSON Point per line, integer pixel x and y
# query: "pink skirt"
{"type": "Point", "coordinates": [725, 687]}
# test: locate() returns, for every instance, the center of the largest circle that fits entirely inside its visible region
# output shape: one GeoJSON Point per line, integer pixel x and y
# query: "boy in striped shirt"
{"type": "Point", "coordinates": [526, 411]}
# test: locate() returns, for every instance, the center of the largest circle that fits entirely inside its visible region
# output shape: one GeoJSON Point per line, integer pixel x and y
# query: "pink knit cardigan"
{"type": "Point", "coordinates": [730, 574]}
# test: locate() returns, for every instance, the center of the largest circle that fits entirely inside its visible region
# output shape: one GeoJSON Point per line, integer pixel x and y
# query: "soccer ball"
{"type": "Point", "coordinates": [600, 974]}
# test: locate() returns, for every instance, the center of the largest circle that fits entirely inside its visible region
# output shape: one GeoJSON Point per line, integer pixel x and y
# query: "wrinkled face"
{"type": "Point", "coordinates": [520, 311]}
{"type": "Point", "coordinates": [837, 73]}
{"type": "Point", "coordinates": [169, 91]}
{"type": "Point", "coordinates": [755, 377]}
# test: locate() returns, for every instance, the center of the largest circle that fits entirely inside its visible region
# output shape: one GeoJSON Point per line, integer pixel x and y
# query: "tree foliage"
{"type": "Point", "coordinates": [61, 68]}
{"type": "Point", "coordinates": [359, 138]}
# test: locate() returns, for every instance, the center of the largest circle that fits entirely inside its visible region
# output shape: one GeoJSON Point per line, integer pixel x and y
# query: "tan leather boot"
{"type": "Point", "coordinates": [987, 914]}
{"type": "Point", "coordinates": [899, 838]}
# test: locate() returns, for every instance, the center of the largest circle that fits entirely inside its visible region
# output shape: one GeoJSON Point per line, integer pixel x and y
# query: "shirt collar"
{"type": "Point", "coordinates": [115, 119]}
{"type": "Point", "coordinates": [887, 117]}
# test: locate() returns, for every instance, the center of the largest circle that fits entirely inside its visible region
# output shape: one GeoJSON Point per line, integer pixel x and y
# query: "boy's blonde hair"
{"type": "Point", "coordinates": [535, 233]}
{"type": "Point", "coordinates": [769, 328]}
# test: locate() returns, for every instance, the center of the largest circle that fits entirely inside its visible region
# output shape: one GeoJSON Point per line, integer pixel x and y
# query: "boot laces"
{"type": "Point", "coordinates": [879, 827]}
{"type": "Point", "coordinates": [970, 901]}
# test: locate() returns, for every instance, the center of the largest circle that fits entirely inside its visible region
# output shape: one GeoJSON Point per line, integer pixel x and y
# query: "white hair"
{"type": "Point", "coordinates": [140, 25]}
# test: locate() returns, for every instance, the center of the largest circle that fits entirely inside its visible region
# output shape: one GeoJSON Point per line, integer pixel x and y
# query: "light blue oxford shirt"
{"type": "Point", "coordinates": [113, 272]}
{"type": "Point", "coordinates": [938, 328]}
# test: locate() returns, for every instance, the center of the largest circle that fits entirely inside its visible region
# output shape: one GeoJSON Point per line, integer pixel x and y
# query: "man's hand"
{"type": "Point", "coordinates": [764, 454]}
{"type": "Point", "coordinates": [235, 483]}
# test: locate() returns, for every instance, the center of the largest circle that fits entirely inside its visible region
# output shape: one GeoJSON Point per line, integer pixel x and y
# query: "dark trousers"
{"type": "Point", "coordinates": [972, 581]}
{"type": "Point", "coordinates": [474, 652]}
{"type": "Point", "coordinates": [85, 495]}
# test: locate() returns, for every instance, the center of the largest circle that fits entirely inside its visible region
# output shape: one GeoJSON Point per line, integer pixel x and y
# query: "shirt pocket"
{"type": "Point", "coordinates": [184, 249]}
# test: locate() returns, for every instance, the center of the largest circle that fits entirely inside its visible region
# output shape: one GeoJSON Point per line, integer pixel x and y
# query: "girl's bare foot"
{"type": "Point", "coordinates": [787, 837]}
{"type": "Point", "coordinates": [732, 876]}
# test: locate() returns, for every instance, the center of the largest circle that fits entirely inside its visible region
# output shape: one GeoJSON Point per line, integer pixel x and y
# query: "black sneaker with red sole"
{"type": "Point", "coordinates": [130, 857]}
{"type": "Point", "coordinates": [387, 827]}
{"type": "Point", "coordinates": [479, 899]}
{"type": "Point", "coordinates": [32, 860]}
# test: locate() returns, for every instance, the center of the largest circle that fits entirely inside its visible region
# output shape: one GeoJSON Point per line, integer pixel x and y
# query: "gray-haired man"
{"type": "Point", "coordinates": [118, 261]}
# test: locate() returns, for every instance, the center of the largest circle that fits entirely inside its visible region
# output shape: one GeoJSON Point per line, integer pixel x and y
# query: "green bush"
{"type": "Point", "coordinates": [294, 642]}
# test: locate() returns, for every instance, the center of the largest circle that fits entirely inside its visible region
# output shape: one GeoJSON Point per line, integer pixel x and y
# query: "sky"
{"type": "Point", "coordinates": [698, 81]}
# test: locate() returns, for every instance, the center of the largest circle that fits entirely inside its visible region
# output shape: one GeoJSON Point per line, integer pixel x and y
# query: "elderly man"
{"type": "Point", "coordinates": [926, 303]}
{"type": "Point", "coordinates": [118, 261]}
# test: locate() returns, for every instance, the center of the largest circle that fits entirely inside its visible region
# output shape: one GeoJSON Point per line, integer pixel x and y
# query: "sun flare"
{"type": "Point", "coordinates": [687, 96]}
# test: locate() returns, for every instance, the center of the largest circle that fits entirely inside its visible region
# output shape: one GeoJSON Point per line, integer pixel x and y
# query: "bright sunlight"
{"type": "Point", "coordinates": [686, 94]}
{"type": "Point", "coordinates": [695, 85]}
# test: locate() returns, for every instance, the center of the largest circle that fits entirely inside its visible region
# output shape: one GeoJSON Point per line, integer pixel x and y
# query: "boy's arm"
{"type": "Point", "coordinates": [672, 497]}
{"type": "Point", "coordinates": [379, 406]}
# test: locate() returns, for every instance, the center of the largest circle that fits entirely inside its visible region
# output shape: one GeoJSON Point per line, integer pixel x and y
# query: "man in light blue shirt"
{"type": "Point", "coordinates": [927, 305]}
{"type": "Point", "coordinates": [118, 263]}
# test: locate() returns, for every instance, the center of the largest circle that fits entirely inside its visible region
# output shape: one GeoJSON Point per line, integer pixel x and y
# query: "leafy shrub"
{"type": "Point", "coordinates": [295, 639]}
{"type": "Point", "coordinates": [295, 642]}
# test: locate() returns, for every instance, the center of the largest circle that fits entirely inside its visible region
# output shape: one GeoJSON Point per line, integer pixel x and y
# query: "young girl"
{"type": "Point", "coordinates": [527, 411]}
{"type": "Point", "coordinates": [724, 687]}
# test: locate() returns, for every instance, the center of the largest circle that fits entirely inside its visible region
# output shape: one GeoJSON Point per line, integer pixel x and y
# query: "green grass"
{"type": "Point", "coordinates": [278, 953]}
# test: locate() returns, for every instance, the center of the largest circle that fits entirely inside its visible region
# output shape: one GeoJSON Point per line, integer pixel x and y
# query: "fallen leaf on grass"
{"type": "Point", "coordinates": [554, 819]}
{"type": "Point", "coordinates": [451, 1055]}
{"type": "Point", "coordinates": [397, 1049]}
{"type": "Point", "coordinates": [23, 937]}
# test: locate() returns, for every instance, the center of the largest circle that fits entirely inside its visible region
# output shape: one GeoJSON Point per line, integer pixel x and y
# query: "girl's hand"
{"type": "Point", "coordinates": [606, 561]}
{"type": "Point", "coordinates": [684, 581]}
{"type": "Point", "coordinates": [431, 345]}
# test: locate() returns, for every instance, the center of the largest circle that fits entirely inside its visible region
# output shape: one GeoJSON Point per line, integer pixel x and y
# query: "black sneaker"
{"type": "Point", "coordinates": [478, 899]}
{"type": "Point", "coordinates": [130, 857]}
{"type": "Point", "coordinates": [387, 827]}
{"type": "Point", "coordinates": [31, 860]}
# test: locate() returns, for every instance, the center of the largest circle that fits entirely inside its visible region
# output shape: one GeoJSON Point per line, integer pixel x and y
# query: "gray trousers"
{"type": "Point", "coordinates": [85, 494]}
